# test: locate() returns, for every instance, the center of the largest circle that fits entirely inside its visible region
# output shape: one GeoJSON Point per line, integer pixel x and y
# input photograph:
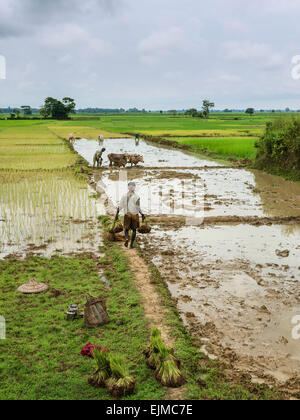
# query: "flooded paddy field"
{"type": "Point", "coordinates": [213, 192]}
{"type": "Point", "coordinates": [153, 155]}
{"type": "Point", "coordinates": [235, 277]}
{"type": "Point", "coordinates": [47, 212]}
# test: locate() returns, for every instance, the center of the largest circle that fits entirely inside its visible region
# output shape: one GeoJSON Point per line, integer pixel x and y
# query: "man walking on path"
{"type": "Point", "coordinates": [130, 203]}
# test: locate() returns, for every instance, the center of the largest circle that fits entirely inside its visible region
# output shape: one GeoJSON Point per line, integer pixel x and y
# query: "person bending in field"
{"type": "Point", "coordinates": [98, 159]}
{"type": "Point", "coordinates": [130, 203]}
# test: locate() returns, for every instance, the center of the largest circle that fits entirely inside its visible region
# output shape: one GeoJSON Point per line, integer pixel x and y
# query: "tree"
{"type": "Point", "coordinates": [26, 109]}
{"type": "Point", "coordinates": [191, 111]}
{"type": "Point", "coordinates": [250, 111]}
{"type": "Point", "coordinates": [17, 113]}
{"type": "Point", "coordinates": [194, 113]}
{"type": "Point", "coordinates": [206, 107]}
{"type": "Point", "coordinates": [58, 110]}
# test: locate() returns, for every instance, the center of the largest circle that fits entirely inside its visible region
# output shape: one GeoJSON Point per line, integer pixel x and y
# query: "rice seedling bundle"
{"type": "Point", "coordinates": [161, 358]}
{"type": "Point", "coordinates": [168, 372]}
{"type": "Point", "coordinates": [152, 351]}
{"type": "Point", "coordinates": [121, 383]}
{"type": "Point", "coordinates": [116, 228]}
{"type": "Point", "coordinates": [145, 227]}
{"type": "Point", "coordinates": [103, 371]}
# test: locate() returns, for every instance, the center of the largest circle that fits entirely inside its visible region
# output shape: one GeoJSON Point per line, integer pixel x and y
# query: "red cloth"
{"type": "Point", "coordinates": [89, 348]}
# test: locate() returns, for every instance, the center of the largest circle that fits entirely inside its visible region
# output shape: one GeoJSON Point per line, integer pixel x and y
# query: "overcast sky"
{"type": "Point", "coordinates": [153, 54]}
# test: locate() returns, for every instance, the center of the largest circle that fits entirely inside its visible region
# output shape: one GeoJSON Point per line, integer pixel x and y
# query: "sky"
{"type": "Point", "coordinates": [152, 54]}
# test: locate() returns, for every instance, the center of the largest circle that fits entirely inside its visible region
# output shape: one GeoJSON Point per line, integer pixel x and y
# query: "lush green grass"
{"type": "Point", "coordinates": [241, 147]}
{"type": "Point", "coordinates": [40, 359]}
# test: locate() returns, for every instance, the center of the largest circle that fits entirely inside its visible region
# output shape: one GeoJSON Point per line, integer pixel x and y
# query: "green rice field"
{"type": "Point", "coordinates": [23, 143]}
{"type": "Point", "coordinates": [241, 147]}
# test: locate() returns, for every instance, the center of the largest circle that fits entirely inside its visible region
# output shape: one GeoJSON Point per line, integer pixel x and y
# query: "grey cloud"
{"type": "Point", "coordinates": [150, 53]}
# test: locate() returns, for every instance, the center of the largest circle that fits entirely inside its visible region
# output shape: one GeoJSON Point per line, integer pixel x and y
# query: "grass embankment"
{"type": "Point", "coordinates": [83, 132]}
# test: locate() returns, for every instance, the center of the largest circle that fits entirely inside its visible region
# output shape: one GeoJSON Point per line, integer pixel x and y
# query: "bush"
{"type": "Point", "coordinates": [279, 147]}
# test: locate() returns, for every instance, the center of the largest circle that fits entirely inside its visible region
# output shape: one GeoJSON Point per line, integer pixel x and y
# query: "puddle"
{"type": "Point", "coordinates": [278, 196]}
{"type": "Point", "coordinates": [153, 155]}
{"type": "Point", "coordinates": [47, 212]}
{"type": "Point", "coordinates": [232, 288]}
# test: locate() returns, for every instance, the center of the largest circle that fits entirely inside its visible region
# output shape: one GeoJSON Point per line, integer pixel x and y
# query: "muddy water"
{"type": "Point", "coordinates": [190, 192]}
{"type": "Point", "coordinates": [201, 193]}
{"type": "Point", "coordinates": [48, 213]}
{"type": "Point", "coordinates": [153, 155]}
{"type": "Point", "coordinates": [234, 290]}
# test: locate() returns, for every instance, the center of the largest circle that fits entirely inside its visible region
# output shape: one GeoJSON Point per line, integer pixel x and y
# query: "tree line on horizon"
{"type": "Point", "coordinates": [56, 109]}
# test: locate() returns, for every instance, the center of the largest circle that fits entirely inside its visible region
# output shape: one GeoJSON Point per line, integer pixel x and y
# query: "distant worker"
{"type": "Point", "coordinates": [98, 159]}
{"type": "Point", "coordinates": [71, 137]}
{"type": "Point", "coordinates": [137, 139]}
{"type": "Point", "coordinates": [101, 139]}
{"type": "Point", "coordinates": [130, 203]}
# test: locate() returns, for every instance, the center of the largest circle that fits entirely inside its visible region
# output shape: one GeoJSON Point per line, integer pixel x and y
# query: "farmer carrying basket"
{"type": "Point", "coordinates": [130, 203]}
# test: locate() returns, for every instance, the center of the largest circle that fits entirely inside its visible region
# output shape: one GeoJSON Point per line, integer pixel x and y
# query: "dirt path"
{"type": "Point", "coordinates": [154, 309]}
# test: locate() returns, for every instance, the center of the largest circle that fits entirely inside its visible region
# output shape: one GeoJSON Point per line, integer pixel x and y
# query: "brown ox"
{"type": "Point", "coordinates": [117, 160]}
{"type": "Point", "coordinates": [134, 159]}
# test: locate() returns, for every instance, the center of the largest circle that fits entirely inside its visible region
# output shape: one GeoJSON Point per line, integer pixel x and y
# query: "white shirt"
{"type": "Point", "coordinates": [130, 203]}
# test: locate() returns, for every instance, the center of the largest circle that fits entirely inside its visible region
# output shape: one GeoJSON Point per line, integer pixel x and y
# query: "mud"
{"type": "Point", "coordinates": [235, 291]}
